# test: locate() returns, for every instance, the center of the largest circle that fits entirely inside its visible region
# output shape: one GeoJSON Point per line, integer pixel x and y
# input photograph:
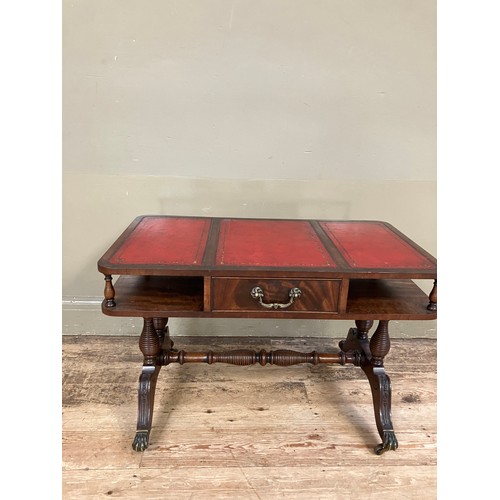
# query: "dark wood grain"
{"type": "Point", "coordinates": [162, 296]}
{"type": "Point", "coordinates": [153, 296]}
{"type": "Point", "coordinates": [212, 242]}
{"type": "Point", "coordinates": [233, 294]}
{"type": "Point", "coordinates": [387, 299]}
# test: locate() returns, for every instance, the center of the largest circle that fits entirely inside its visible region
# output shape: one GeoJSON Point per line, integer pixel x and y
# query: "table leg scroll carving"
{"type": "Point", "coordinates": [150, 346]}
{"type": "Point", "coordinates": [381, 393]}
{"type": "Point", "coordinates": [380, 385]}
{"type": "Point", "coordinates": [147, 386]}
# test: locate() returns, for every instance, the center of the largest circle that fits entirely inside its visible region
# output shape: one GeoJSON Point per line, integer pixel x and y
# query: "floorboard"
{"type": "Point", "coordinates": [224, 431]}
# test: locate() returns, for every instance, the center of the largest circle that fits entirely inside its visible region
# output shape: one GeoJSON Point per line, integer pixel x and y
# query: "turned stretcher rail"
{"type": "Point", "coordinates": [244, 357]}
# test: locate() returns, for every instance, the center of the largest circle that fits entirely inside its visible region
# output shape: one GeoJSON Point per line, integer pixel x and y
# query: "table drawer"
{"type": "Point", "coordinates": [253, 294]}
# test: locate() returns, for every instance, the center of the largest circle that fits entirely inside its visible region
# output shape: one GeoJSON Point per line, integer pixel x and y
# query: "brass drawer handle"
{"type": "Point", "coordinates": [258, 294]}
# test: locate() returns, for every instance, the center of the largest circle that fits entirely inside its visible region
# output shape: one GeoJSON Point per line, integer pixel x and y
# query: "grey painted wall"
{"type": "Point", "coordinates": [242, 108]}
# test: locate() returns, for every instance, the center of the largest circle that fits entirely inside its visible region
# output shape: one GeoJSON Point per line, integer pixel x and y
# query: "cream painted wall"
{"type": "Point", "coordinates": [242, 108]}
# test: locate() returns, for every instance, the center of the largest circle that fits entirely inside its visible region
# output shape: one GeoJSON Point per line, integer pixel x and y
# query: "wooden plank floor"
{"type": "Point", "coordinates": [224, 431]}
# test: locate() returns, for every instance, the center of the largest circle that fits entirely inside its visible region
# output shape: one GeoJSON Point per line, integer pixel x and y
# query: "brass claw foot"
{"type": "Point", "coordinates": [390, 443]}
{"type": "Point", "coordinates": [141, 441]}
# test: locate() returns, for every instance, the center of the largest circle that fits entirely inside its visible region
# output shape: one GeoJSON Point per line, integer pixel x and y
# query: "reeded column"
{"type": "Point", "coordinates": [380, 343]}
{"type": "Point", "coordinates": [149, 343]}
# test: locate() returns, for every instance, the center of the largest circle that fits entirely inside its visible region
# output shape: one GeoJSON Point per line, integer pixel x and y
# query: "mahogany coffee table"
{"type": "Point", "coordinates": [260, 268]}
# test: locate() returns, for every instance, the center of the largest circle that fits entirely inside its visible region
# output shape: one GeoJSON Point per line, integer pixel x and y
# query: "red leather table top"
{"type": "Point", "coordinates": [169, 241]}
{"type": "Point", "coordinates": [373, 245]}
{"type": "Point", "coordinates": [265, 243]}
{"type": "Point", "coordinates": [157, 244]}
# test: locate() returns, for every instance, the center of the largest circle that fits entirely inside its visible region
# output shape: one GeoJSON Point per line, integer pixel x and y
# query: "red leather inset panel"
{"type": "Point", "coordinates": [170, 240]}
{"type": "Point", "coordinates": [373, 245]}
{"type": "Point", "coordinates": [270, 243]}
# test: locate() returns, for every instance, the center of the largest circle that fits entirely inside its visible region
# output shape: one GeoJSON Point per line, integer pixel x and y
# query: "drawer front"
{"type": "Point", "coordinates": [253, 294]}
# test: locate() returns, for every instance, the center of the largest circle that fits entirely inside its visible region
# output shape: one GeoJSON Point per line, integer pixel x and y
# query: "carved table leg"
{"type": "Point", "coordinates": [381, 387]}
{"type": "Point", "coordinates": [147, 386]}
{"type": "Point", "coordinates": [149, 344]}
